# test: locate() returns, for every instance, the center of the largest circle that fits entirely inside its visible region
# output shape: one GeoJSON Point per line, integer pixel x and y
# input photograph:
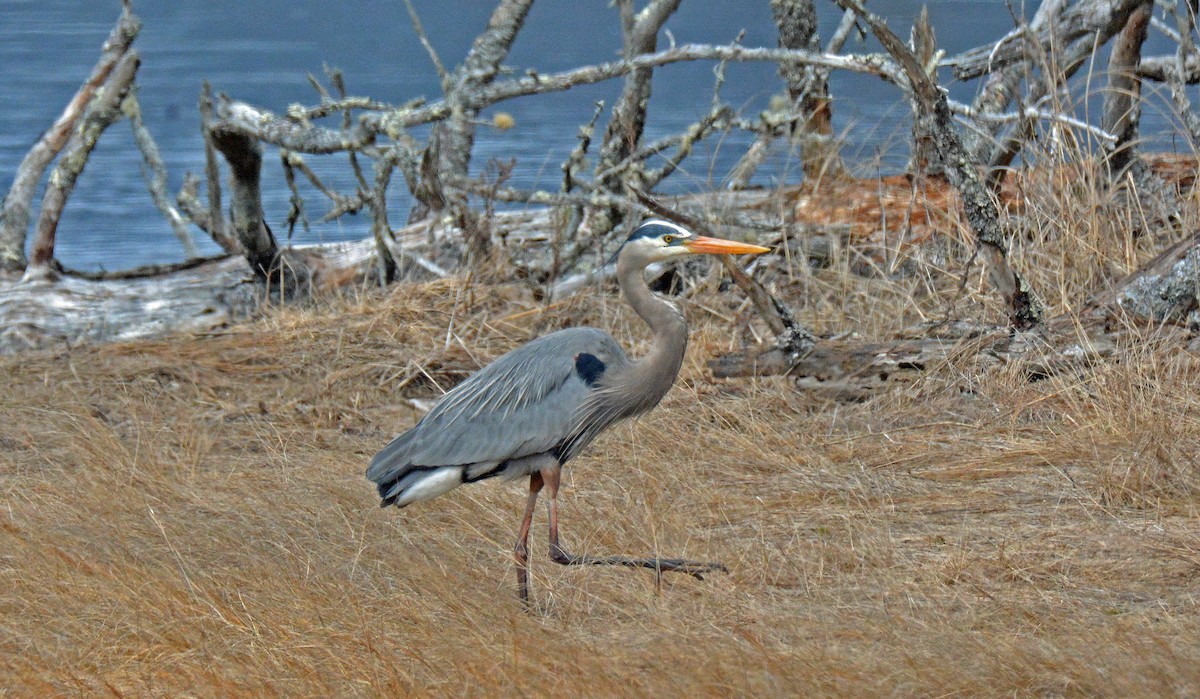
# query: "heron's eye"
{"type": "Point", "coordinates": [668, 239]}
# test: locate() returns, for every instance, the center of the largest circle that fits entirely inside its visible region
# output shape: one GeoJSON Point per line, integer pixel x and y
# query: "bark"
{"type": "Point", "coordinates": [381, 230]}
{"type": "Point", "coordinates": [212, 170]}
{"type": "Point", "coordinates": [1158, 68]}
{"type": "Point", "coordinates": [1085, 27]}
{"type": "Point", "coordinates": [156, 175]}
{"type": "Point", "coordinates": [1122, 99]}
{"type": "Point", "coordinates": [1185, 21]}
{"type": "Point", "coordinates": [925, 159]}
{"type": "Point", "coordinates": [1087, 22]}
{"type": "Point", "coordinates": [1001, 86]}
{"type": "Point", "coordinates": [16, 211]}
{"type": "Point", "coordinates": [808, 90]}
{"type": "Point", "coordinates": [244, 156]}
{"type": "Point", "coordinates": [628, 121]}
{"type": "Point", "coordinates": [842, 371]}
{"type": "Point", "coordinates": [309, 138]}
{"type": "Point", "coordinates": [979, 209]}
{"type": "Point", "coordinates": [102, 111]}
{"type": "Point", "coordinates": [1164, 290]}
{"type": "Point", "coordinates": [454, 137]}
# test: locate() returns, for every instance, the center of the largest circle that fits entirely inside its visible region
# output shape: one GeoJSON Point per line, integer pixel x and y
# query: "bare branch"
{"type": "Point", "coordinates": [443, 75]}
{"type": "Point", "coordinates": [156, 174]}
{"type": "Point", "coordinates": [1025, 311]}
{"type": "Point", "coordinates": [1122, 98]}
{"type": "Point", "coordinates": [212, 171]}
{"type": "Point", "coordinates": [16, 211]}
{"type": "Point", "coordinates": [102, 111]}
{"type": "Point", "coordinates": [624, 130]}
{"type": "Point", "coordinates": [808, 90]}
{"type": "Point", "coordinates": [243, 153]}
{"type": "Point", "coordinates": [1091, 23]}
{"type": "Point", "coordinates": [1185, 21]}
{"type": "Point", "coordinates": [385, 242]}
{"type": "Point", "coordinates": [576, 161]}
{"type": "Point", "coordinates": [454, 137]}
{"type": "Point", "coordinates": [1001, 86]}
{"type": "Point", "coordinates": [264, 126]}
{"type": "Point", "coordinates": [308, 138]}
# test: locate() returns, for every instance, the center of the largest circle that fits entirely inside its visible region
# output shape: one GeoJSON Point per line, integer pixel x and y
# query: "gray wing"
{"type": "Point", "coordinates": [522, 404]}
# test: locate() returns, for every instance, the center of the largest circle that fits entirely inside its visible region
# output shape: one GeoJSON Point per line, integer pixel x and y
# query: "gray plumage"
{"type": "Point", "coordinates": [529, 402]}
{"type": "Point", "coordinates": [534, 402]}
{"type": "Point", "coordinates": [535, 408]}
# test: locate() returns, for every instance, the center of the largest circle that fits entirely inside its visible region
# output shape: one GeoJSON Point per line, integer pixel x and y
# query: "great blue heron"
{"type": "Point", "coordinates": [535, 408]}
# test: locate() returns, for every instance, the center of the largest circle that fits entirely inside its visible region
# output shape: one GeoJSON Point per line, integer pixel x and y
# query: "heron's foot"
{"type": "Point", "coordinates": [696, 569]}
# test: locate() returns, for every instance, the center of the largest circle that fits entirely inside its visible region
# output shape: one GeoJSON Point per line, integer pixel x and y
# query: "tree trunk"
{"type": "Point", "coordinates": [808, 90]}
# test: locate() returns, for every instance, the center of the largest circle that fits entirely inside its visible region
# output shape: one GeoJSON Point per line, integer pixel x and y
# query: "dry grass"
{"type": "Point", "coordinates": [190, 517]}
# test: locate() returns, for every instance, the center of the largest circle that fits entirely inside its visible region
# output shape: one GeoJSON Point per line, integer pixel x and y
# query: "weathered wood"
{"type": "Point", "coordinates": [309, 138]}
{"type": "Point", "coordinates": [1025, 310]}
{"type": "Point", "coordinates": [1164, 290]}
{"type": "Point", "coordinates": [842, 371]}
{"type": "Point", "coordinates": [624, 130]}
{"type": "Point", "coordinates": [808, 90]}
{"type": "Point", "coordinates": [16, 211]}
{"type": "Point", "coordinates": [925, 159]}
{"type": "Point", "coordinates": [1086, 22]}
{"type": "Point", "coordinates": [1123, 95]}
{"type": "Point", "coordinates": [212, 170]}
{"type": "Point", "coordinates": [452, 139]}
{"type": "Point", "coordinates": [73, 310]}
{"type": "Point", "coordinates": [1001, 87]}
{"type": "Point", "coordinates": [102, 111]}
{"type": "Point", "coordinates": [1158, 68]}
{"type": "Point", "coordinates": [287, 274]}
{"type": "Point", "coordinates": [1185, 22]}
{"type": "Point", "coordinates": [156, 175]}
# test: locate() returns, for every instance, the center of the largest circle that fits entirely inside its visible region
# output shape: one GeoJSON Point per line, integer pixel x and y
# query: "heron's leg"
{"type": "Point", "coordinates": [522, 548]}
{"type": "Point", "coordinates": [560, 555]}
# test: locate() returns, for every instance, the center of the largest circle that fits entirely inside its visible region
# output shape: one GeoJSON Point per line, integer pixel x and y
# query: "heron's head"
{"type": "Point", "coordinates": [658, 241]}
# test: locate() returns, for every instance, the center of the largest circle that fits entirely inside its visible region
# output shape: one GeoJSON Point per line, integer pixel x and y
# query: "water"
{"type": "Point", "coordinates": [261, 52]}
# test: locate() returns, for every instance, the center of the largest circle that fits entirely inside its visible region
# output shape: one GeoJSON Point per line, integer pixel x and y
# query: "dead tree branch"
{"type": "Point", "coordinates": [212, 170]}
{"type": "Point", "coordinates": [808, 91]}
{"type": "Point", "coordinates": [454, 137]}
{"type": "Point", "coordinates": [244, 156]}
{"type": "Point", "coordinates": [1090, 23]}
{"type": "Point", "coordinates": [1001, 86]}
{"type": "Point", "coordinates": [102, 111]}
{"type": "Point", "coordinates": [628, 121]}
{"type": "Point", "coordinates": [302, 137]}
{"type": "Point", "coordinates": [1024, 309]}
{"type": "Point", "coordinates": [1185, 22]}
{"type": "Point", "coordinates": [1123, 97]}
{"type": "Point", "coordinates": [1164, 290]}
{"type": "Point", "coordinates": [156, 174]}
{"type": "Point", "coordinates": [16, 211]}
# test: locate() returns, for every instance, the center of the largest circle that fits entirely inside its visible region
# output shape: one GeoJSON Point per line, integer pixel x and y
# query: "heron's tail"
{"type": "Point", "coordinates": [399, 487]}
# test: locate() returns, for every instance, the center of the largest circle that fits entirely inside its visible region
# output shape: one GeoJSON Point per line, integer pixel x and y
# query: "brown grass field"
{"type": "Point", "coordinates": [189, 517]}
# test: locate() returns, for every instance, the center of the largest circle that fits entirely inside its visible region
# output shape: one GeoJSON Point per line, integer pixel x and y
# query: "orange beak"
{"type": "Point", "coordinates": [718, 246]}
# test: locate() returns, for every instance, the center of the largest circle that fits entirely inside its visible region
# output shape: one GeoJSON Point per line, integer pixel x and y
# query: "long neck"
{"type": "Point", "coordinates": [652, 375]}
